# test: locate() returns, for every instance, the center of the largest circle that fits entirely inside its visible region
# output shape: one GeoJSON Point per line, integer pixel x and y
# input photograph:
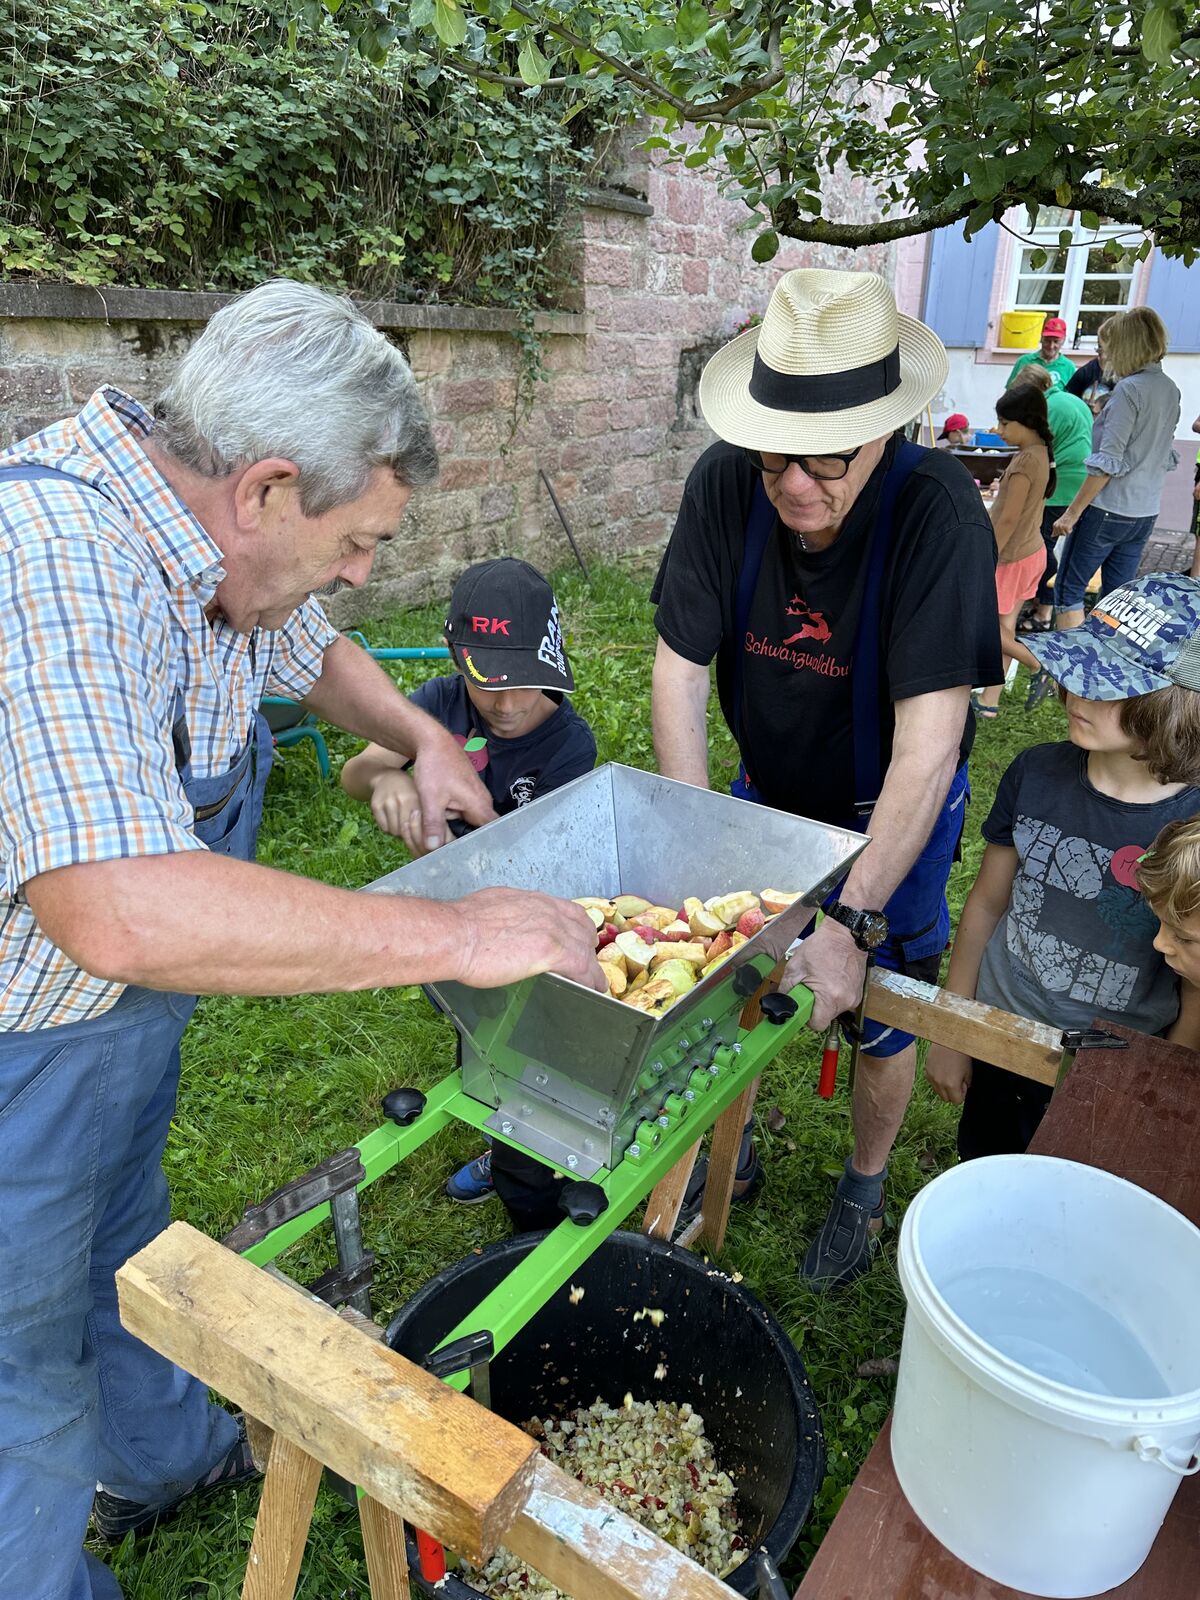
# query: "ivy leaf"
{"type": "Point", "coordinates": [1063, 194]}
{"type": "Point", "coordinates": [1160, 35]}
{"type": "Point", "coordinates": [1089, 220]}
{"type": "Point", "coordinates": [766, 246]}
{"type": "Point", "coordinates": [449, 23]}
{"type": "Point", "coordinates": [532, 64]}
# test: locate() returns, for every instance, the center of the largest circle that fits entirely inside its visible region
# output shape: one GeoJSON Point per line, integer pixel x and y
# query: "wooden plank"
{"type": "Point", "coordinates": [414, 1444]}
{"type": "Point", "coordinates": [387, 1559]}
{"type": "Point", "coordinates": [588, 1549]}
{"type": "Point", "coordinates": [1030, 1049]}
{"type": "Point", "coordinates": [1130, 1112]}
{"type": "Point", "coordinates": [662, 1208]}
{"type": "Point", "coordinates": [281, 1531]}
{"type": "Point", "coordinates": [722, 1166]}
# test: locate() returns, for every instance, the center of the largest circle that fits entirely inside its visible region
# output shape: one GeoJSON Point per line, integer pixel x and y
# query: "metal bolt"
{"type": "Point", "coordinates": [635, 1149]}
{"type": "Point", "coordinates": [658, 1069]}
{"type": "Point", "coordinates": [542, 1080]}
{"type": "Point", "coordinates": [506, 1128]}
{"type": "Point", "coordinates": [572, 1162]}
{"type": "Point", "coordinates": [689, 1094]}
{"type": "Point", "coordinates": [706, 1023]}
{"type": "Point", "coordinates": [526, 1110]}
{"type": "Point", "coordinates": [714, 1069]}
{"type": "Point", "coordinates": [663, 1122]}
{"type": "Point", "coordinates": [736, 1048]}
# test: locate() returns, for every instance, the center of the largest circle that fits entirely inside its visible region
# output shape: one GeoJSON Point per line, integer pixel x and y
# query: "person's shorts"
{"type": "Point", "coordinates": [918, 913]}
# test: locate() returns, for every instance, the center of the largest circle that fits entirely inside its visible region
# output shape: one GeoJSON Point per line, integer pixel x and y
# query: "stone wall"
{"type": "Point", "coordinates": [664, 278]}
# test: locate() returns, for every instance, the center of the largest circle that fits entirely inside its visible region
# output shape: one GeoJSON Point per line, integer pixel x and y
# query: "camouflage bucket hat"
{"type": "Point", "coordinates": [1142, 637]}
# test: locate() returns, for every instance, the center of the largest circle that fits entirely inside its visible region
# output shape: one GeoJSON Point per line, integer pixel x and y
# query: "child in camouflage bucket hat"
{"type": "Point", "coordinates": [1056, 927]}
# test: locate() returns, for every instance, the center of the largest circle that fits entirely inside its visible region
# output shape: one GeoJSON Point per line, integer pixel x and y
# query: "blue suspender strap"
{"type": "Point", "coordinates": [32, 469]}
{"type": "Point", "coordinates": [864, 675]}
{"type": "Point", "coordinates": [759, 526]}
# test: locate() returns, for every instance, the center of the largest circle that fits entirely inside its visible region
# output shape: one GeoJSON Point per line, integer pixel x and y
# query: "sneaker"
{"type": "Point", "coordinates": [472, 1183]}
{"type": "Point", "coordinates": [747, 1181]}
{"type": "Point", "coordinates": [113, 1517]}
{"type": "Point", "coordinates": [842, 1250]}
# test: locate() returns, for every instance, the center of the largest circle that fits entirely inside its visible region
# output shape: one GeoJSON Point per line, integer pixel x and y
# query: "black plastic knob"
{"type": "Point", "coordinates": [777, 1007]}
{"type": "Point", "coordinates": [403, 1106]}
{"type": "Point", "coordinates": [746, 980]}
{"type": "Point", "coordinates": [582, 1202]}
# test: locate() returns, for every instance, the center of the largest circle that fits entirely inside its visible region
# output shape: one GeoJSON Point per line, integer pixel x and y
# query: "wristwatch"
{"type": "Point", "coordinates": [868, 929]}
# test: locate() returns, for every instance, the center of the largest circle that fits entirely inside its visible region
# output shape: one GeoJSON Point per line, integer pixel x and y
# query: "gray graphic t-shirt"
{"type": "Point", "coordinates": [1076, 943]}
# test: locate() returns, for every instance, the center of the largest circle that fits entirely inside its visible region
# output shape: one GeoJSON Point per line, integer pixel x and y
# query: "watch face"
{"type": "Point", "coordinates": [873, 929]}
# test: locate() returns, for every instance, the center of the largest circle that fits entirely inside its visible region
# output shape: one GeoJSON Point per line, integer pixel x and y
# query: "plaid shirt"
{"type": "Point", "coordinates": [102, 591]}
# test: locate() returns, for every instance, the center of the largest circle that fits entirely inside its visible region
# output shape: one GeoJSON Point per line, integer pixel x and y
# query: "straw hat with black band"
{"type": "Point", "coordinates": [831, 366]}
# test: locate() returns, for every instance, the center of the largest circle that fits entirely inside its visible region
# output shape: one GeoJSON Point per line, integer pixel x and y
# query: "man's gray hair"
{"type": "Point", "coordinates": [289, 370]}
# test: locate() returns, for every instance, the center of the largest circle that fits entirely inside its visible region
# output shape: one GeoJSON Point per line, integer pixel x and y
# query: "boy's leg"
{"type": "Point", "coordinates": [1000, 1114]}
{"type": "Point", "coordinates": [528, 1189]}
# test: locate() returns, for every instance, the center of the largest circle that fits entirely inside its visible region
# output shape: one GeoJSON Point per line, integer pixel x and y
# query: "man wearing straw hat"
{"type": "Point", "coordinates": [843, 580]}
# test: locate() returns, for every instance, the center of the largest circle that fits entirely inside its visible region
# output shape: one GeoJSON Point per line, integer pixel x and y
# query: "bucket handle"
{"type": "Point", "coordinates": [1181, 1463]}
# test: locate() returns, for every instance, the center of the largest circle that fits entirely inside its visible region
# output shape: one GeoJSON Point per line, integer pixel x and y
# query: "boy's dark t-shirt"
{"type": "Point", "coordinates": [1077, 940]}
{"type": "Point", "coordinates": [514, 771]}
{"type": "Point", "coordinates": [939, 626]}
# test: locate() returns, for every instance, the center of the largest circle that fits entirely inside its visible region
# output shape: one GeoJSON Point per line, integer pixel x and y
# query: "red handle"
{"type": "Point", "coordinates": [432, 1557]}
{"type": "Point", "coordinates": [829, 1065]}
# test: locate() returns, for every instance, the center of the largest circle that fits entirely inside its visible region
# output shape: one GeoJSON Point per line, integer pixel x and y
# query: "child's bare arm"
{"type": "Point", "coordinates": [1185, 1029]}
{"type": "Point", "coordinates": [360, 772]}
{"type": "Point", "coordinates": [949, 1071]}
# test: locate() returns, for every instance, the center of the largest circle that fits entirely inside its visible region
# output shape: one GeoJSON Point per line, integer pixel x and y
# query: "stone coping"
{"type": "Point", "coordinates": [69, 302]}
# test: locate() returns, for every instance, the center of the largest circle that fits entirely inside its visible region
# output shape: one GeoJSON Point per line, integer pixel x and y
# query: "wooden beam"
{"type": "Point", "coordinates": [1030, 1049]}
{"type": "Point", "coordinates": [409, 1441]}
{"type": "Point", "coordinates": [588, 1549]}
{"type": "Point", "coordinates": [383, 1543]}
{"type": "Point", "coordinates": [668, 1195]}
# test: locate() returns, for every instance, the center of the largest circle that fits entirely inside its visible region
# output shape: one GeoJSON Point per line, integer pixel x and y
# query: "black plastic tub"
{"type": "Point", "coordinates": [723, 1351]}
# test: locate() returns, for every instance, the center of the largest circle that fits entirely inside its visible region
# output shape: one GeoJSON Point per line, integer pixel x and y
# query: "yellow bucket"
{"type": "Point", "coordinates": [1021, 330]}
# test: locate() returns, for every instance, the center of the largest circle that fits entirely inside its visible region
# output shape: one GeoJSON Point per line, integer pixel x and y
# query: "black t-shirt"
{"type": "Point", "coordinates": [939, 623]}
{"type": "Point", "coordinates": [514, 771]}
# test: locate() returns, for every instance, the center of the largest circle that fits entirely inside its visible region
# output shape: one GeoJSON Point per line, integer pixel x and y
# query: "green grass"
{"type": "Point", "coordinates": [270, 1087]}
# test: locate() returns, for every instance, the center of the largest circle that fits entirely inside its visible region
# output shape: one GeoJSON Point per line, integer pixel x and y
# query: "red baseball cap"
{"type": "Point", "coordinates": [956, 423]}
{"type": "Point", "coordinates": [1054, 328]}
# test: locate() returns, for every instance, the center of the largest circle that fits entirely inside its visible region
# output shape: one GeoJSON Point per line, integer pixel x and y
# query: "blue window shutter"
{"type": "Point", "coordinates": [958, 285]}
{"type": "Point", "coordinates": [1174, 292]}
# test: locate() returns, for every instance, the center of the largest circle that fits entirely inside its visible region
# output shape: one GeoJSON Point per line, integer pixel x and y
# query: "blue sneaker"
{"type": "Point", "coordinates": [472, 1183]}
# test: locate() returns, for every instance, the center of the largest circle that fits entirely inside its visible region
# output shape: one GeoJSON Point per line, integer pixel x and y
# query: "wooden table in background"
{"type": "Point", "coordinates": [1135, 1113]}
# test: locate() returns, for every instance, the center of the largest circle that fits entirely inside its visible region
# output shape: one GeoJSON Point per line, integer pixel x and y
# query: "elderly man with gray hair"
{"type": "Point", "coordinates": [156, 579]}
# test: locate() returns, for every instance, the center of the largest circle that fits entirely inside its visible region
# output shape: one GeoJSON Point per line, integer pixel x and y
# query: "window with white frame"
{"type": "Point", "coordinates": [1078, 282]}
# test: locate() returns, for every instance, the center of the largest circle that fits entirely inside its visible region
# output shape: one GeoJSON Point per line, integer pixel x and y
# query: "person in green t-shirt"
{"type": "Point", "coordinates": [1071, 429]}
{"type": "Point", "coordinates": [1048, 355]}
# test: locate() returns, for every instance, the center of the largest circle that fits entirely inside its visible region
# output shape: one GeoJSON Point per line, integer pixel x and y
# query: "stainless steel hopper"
{"type": "Point", "coordinates": [572, 1073]}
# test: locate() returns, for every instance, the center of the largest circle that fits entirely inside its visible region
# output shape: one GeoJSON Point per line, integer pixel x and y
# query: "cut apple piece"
{"type": "Point", "coordinates": [591, 903]}
{"type": "Point", "coordinates": [776, 900]}
{"type": "Point", "coordinates": [606, 935]}
{"type": "Point", "coordinates": [630, 904]}
{"type": "Point", "coordinates": [675, 931]}
{"type": "Point", "coordinates": [718, 947]}
{"type": "Point", "coordinates": [611, 955]}
{"type": "Point", "coordinates": [681, 975]}
{"type": "Point", "coordinates": [751, 922]}
{"type": "Point", "coordinates": [658, 916]}
{"type": "Point", "coordinates": [727, 908]}
{"type": "Point", "coordinates": [694, 954]}
{"type": "Point", "coordinates": [713, 965]}
{"type": "Point", "coordinates": [654, 996]}
{"type": "Point", "coordinates": [615, 977]}
{"type": "Point", "coordinates": [638, 954]}
{"type": "Point", "coordinates": [638, 980]}
{"type": "Point", "coordinates": [596, 915]}
{"type": "Point", "coordinates": [690, 907]}
{"type": "Point", "coordinates": [702, 922]}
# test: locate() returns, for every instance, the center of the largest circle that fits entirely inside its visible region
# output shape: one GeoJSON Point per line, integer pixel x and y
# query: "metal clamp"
{"type": "Point", "coordinates": [341, 1174]}
{"type": "Point", "coordinates": [1092, 1039]}
{"type": "Point", "coordinates": [473, 1352]}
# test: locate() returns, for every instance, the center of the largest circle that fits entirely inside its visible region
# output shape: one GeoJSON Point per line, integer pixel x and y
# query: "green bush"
{"type": "Point", "coordinates": [209, 146]}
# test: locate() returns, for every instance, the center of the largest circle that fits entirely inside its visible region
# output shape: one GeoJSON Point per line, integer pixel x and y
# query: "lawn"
{"type": "Point", "coordinates": [270, 1087]}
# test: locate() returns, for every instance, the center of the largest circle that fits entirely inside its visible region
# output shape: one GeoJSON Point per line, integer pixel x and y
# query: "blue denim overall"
{"type": "Point", "coordinates": [917, 912]}
{"type": "Point", "coordinates": [84, 1114]}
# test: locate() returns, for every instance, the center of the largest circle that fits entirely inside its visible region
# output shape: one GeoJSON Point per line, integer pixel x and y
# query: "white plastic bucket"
{"type": "Point", "coordinates": [1031, 1466]}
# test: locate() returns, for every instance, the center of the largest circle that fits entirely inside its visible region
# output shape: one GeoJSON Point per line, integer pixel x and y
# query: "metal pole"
{"type": "Point", "coordinates": [565, 523]}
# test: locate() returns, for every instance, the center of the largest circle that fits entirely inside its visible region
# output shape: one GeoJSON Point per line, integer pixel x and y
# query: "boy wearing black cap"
{"type": "Point", "coordinates": [506, 705]}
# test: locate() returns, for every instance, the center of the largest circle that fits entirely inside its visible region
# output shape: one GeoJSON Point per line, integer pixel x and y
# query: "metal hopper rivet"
{"type": "Point", "coordinates": [506, 1128]}
{"type": "Point", "coordinates": [572, 1162]}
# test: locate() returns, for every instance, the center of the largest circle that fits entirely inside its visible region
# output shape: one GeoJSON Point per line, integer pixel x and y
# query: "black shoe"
{"type": "Point", "coordinates": [113, 1517]}
{"type": "Point", "coordinates": [747, 1181]}
{"type": "Point", "coordinates": [842, 1250]}
{"type": "Point", "coordinates": [1041, 685]}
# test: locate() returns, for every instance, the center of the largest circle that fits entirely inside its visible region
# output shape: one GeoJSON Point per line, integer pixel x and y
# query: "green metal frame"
{"type": "Point", "coordinates": [659, 1145]}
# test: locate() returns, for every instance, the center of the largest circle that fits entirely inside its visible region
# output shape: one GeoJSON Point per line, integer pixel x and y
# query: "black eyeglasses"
{"type": "Point", "coordinates": [827, 467]}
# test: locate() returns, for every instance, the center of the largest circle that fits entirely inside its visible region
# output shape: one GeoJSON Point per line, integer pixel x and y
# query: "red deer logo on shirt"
{"type": "Point", "coordinates": [812, 627]}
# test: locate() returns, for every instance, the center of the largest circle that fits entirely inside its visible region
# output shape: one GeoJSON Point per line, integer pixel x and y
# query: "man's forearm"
{"type": "Point", "coordinates": [679, 714]}
{"type": "Point", "coordinates": [207, 924]}
{"type": "Point", "coordinates": [913, 793]}
{"type": "Point", "coordinates": [356, 694]}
